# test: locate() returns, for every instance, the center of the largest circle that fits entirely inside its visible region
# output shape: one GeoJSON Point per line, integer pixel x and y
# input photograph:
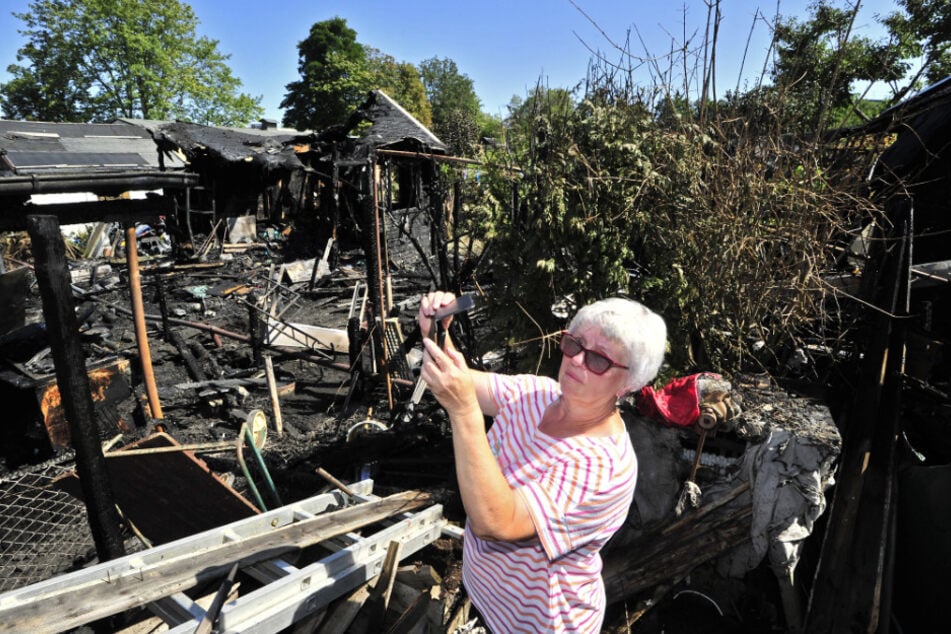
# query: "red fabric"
{"type": "Point", "coordinates": [677, 403]}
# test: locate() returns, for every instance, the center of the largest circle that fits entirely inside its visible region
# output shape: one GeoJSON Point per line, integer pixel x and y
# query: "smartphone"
{"type": "Point", "coordinates": [461, 304]}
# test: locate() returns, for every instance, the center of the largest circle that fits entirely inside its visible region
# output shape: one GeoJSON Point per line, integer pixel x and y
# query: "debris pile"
{"type": "Point", "coordinates": [250, 354]}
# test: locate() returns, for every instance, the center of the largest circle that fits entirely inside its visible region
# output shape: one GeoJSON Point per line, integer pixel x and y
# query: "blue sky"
{"type": "Point", "coordinates": [505, 46]}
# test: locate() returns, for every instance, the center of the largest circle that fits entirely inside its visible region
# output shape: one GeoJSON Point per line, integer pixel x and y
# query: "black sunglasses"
{"type": "Point", "coordinates": [594, 361]}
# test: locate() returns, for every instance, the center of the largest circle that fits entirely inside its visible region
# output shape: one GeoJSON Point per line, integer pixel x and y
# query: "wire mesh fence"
{"type": "Point", "coordinates": [43, 530]}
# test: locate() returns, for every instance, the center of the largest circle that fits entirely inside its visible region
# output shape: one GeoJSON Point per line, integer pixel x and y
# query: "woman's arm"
{"type": "Point", "coordinates": [495, 510]}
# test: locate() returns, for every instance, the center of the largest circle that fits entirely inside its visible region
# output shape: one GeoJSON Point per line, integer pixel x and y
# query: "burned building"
{"type": "Point", "coordinates": [280, 214]}
{"type": "Point", "coordinates": [882, 554]}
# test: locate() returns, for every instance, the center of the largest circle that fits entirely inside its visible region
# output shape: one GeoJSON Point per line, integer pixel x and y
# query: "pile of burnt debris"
{"type": "Point", "coordinates": [327, 485]}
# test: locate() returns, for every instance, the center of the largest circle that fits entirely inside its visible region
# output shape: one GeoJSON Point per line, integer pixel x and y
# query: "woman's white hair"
{"type": "Point", "coordinates": [640, 331]}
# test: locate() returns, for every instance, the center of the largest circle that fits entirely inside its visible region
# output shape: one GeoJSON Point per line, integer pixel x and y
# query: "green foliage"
{"type": "Point", "coordinates": [100, 59]}
{"type": "Point", "coordinates": [566, 236]}
{"type": "Point", "coordinates": [457, 116]}
{"type": "Point", "coordinates": [725, 214]}
{"type": "Point", "coordinates": [337, 73]}
{"type": "Point", "coordinates": [819, 59]}
{"type": "Point", "coordinates": [402, 82]}
{"type": "Point", "coordinates": [726, 228]}
{"type": "Point", "coordinates": [334, 77]}
{"type": "Point", "coordinates": [460, 131]}
{"type": "Point", "coordinates": [490, 126]}
{"type": "Point", "coordinates": [923, 30]}
{"type": "Point", "coordinates": [448, 89]}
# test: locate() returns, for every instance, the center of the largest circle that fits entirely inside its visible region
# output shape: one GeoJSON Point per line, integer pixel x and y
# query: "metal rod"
{"type": "Point", "coordinates": [138, 314]}
{"type": "Point", "coordinates": [206, 447]}
{"type": "Point", "coordinates": [334, 481]}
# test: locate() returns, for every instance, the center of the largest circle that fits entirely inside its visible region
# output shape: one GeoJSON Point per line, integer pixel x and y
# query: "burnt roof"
{"type": "Point", "coordinates": [32, 147]}
{"type": "Point", "coordinates": [922, 126]}
{"type": "Point", "coordinates": [271, 148]}
{"type": "Point", "coordinates": [391, 125]}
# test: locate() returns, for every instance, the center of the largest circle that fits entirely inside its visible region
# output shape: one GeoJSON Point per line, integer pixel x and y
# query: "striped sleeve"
{"type": "Point", "coordinates": [508, 391]}
{"type": "Point", "coordinates": [583, 495]}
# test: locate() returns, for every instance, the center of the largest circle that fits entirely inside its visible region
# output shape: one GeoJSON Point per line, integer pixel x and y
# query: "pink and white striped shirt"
{"type": "Point", "coordinates": [578, 491]}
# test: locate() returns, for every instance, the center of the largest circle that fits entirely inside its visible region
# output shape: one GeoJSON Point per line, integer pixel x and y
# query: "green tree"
{"type": "Point", "coordinates": [456, 107]}
{"type": "Point", "coordinates": [402, 82]}
{"type": "Point", "coordinates": [333, 77]}
{"type": "Point", "coordinates": [447, 88]}
{"type": "Point", "coordinates": [532, 121]}
{"type": "Point", "coordinates": [922, 31]}
{"type": "Point", "coordinates": [337, 72]}
{"type": "Point", "coordinates": [819, 61]}
{"type": "Point", "coordinates": [96, 60]}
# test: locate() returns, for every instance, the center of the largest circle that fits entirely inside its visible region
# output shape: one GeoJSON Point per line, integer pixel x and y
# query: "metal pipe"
{"type": "Point", "coordinates": [138, 315]}
{"type": "Point", "coordinates": [206, 447]}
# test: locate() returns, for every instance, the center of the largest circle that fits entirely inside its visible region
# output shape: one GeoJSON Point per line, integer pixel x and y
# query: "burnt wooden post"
{"type": "Point", "coordinates": [371, 248]}
{"type": "Point", "coordinates": [49, 254]}
{"type": "Point", "coordinates": [163, 306]}
{"type": "Point", "coordinates": [257, 331]}
{"type": "Point", "coordinates": [375, 279]}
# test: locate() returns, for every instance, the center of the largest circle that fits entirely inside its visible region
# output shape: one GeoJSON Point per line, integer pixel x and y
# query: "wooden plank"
{"type": "Point", "coordinates": [671, 552]}
{"type": "Point", "coordinates": [342, 615]}
{"type": "Point", "coordinates": [168, 495]}
{"type": "Point", "coordinates": [280, 604]}
{"type": "Point", "coordinates": [108, 384]}
{"type": "Point", "coordinates": [293, 335]}
{"type": "Point", "coordinates": [59, 605]}
{"type": "Point", "coordinates": [411, 619]}
{"type": "Point", "coordinates": [115, 210]}
{"type": "Point", "coordinates": [375, 608]}
{"type": "Point", "coordinates": [14, 289]}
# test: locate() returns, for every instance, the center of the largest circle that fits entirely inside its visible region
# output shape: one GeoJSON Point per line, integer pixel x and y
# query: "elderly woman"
{"type": "Point", "coordinates": [554, 477]}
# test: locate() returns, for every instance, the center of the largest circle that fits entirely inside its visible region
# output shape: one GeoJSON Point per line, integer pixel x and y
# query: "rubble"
{"type": "Point", "coordinates": [209, 381]}
{"type": "Point", "coordinates": [279, 275]}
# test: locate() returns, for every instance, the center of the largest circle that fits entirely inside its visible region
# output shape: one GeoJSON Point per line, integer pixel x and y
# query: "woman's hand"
{"type": "Point", "coordinates": [428, 306]}
{"type": "Point", "coordinates": [449, 379]}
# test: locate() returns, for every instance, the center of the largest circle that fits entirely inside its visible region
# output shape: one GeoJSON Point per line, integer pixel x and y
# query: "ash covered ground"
{"type": "Point", "coordinates": [210, 380]}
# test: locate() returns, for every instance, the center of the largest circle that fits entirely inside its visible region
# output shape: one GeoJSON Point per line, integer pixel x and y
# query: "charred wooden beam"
{"type": "Point", "coordinates": [14, 218]}
{"type": "Point", "coordinates": [671, 551]}
{"type": "Point", "coordinates": [52, 275]}
{"type": "Point", "coordinates": [851, 590]}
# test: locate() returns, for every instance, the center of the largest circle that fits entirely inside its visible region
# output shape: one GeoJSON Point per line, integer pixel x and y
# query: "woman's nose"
{"type": "Point", "coordinates": [577, 359]}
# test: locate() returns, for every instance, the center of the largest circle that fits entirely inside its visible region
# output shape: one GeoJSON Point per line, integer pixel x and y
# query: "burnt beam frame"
{"type": "Point", "coordinates": [15, 218]}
